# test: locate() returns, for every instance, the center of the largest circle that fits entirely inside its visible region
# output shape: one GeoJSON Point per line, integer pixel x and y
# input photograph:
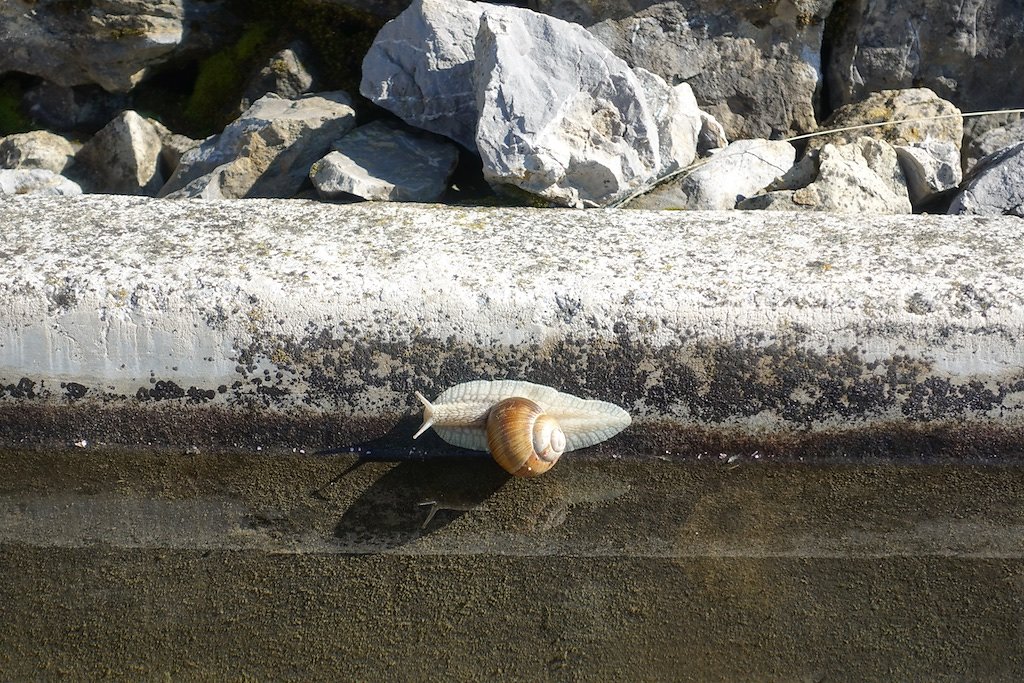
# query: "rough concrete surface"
{"type": "Point", "coordinates": [132, 566]}
{"type": "Point", "coordinates": [304, 325]}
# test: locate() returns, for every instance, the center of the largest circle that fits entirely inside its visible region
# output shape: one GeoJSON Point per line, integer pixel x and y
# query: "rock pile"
{"type": "Point", "coordinates": [631, 111]}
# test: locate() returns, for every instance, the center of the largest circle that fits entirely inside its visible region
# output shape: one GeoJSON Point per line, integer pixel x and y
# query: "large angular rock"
{"type": "Point", "coordinates": [37, 149]}
{"type": "Point", "coordinates": [970, 53]}
{"type": "Point", "coordinates": [36, 181]}
{"type": "Point", "coordinates": [549, 108]}
{"type": "Point", "coordinates": [420, 68]}
{"type": "Point", "coordinates": [720, 181]}
{"type": "Point", "coordinates": [860, 177]}
{"type": "Point", "coordinates": [995, 186]}
{"type": "Point", "coordinates": [266, 152]}
{"type": "Point", "coordinates": [123, 157]}
{"type": "Point", "coordinates": [563, 118]}
{"type": "Point", "coordinates": [112, 43]}
{"type": "Point", "coordinates": [385, 163]}
{"type": "Point", "coordinates": [754, 66]}
{"type": "Point", "coordinates": [915, 114]}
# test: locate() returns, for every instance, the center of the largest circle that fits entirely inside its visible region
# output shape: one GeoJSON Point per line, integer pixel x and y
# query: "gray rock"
{"type": "Point", "coordinates": [123, 157]}
{"type": "Point", "coordinates": [719, 182]}
{"type": "Point", "coordinates": [992, 141]}
{"type": "Point", "coordinates": [384, 163]}
{"type": "Point", "coordinates": [285, 74]}
{"type": "Point", "coordinates": [36, 149]}
{"type": "Point", "coordinates": [36, 181]}
{"type": "Point", "coordinates": [931, 167]}
{"type": "Point", "coordinates": [995, 186]}
{"type": "Point", "coordinates": [563, 118]}
{"type": "Point", "coordinates": [755, 67]}
{"type": "Point", "coordinates": [267, 151]}
{"type": "Point", "coordinates": [420, 67]}
{"type": "Point", "coordinates": [859, 177]}
{"type": "Point", "coordinates": [916, 114]}
{"type": "Point", "coordinates": [112, 43]}
{"type": "Point", "coordinates": [970, 53]}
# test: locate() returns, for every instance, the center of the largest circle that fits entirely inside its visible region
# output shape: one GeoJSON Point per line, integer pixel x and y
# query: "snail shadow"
{"type": "Point", "coordinates": [414, 499]}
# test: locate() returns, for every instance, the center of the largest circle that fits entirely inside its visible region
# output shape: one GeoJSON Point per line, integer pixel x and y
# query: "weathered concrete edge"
{"type": "Point", "coordinates": [298, 324]}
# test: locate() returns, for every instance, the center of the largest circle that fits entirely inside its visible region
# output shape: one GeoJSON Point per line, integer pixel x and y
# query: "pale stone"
{"type": "Point", "coordinates": [564, 119]}
{"type": "Point", "coordinates": [420, 67]}
{"type": "Point", "coordinates": [384, 163]}
{"type": "Point", "coordinates": [36, 149]}
{"type": "Point", "coordinates": [720, 181]}
{"type": "Point", "coordinates": [123, 157]}
{"type": "Point", "coordinates": [859, 177]}
{"type": "Point", "coordinates": [36, 181]}
{"type": "Point", "coordinates": [915, 115]}
{"type": "Point", "coordinates": [931, 167]}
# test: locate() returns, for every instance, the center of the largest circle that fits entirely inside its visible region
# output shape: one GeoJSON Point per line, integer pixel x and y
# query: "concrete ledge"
{"type": "Point", "coordinates": [287, 324]}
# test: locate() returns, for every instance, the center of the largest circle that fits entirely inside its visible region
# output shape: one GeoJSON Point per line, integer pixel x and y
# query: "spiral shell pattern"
{"type": "Point", "coordinates": [522, 439]}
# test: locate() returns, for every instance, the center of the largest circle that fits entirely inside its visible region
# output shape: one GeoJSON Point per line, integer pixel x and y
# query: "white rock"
{"type": "Point", "coordinates": [36, 181]}
{"type": "Point", "coordinates": [860, 177]}
{"type": "Point", "coordinates": [930, 167]}
{"type": "Point", "coordinates": [384, 163]}
{"type": "Point", "coordinates": [730, 175]}
{"type": "Point", "coordinates": [420, 67]}
{"type": "Point", "coordinates": [36, 149]}
{"type": "Point", "coordinates": [995, 186]}
{"type": "Point", "coordinates": [563, 118]}
{"type": "Point", "coordinates": [266, 152]}
{"type": "Point", "coordinates": [123, 157]}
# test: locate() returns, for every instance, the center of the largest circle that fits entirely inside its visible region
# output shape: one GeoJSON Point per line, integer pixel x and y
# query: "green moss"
{"type": "Point", "coordinates": [127, 32]}
{"type": "Point", "coordinates": [221, 78]}
{"type": "Point", "coordinates": [11, 118]}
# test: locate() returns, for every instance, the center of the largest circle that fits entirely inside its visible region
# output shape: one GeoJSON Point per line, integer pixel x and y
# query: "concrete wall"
{"type": "Point", "coordinates": [287, 324]}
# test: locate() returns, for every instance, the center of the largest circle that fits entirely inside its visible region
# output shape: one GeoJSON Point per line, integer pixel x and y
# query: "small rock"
{"type": "Point", "coordinates": [36, 181]}
{"type": "Point", "coordinates": [420, 67]}
{"type": "Point", "coordinates": [728, 176]}
{"type": "Point", "coordinates": [860, 177]}
{"type": "Point", "coordinates": [384, 163]}
{"type": "Point", "coordinates": [995, 186]}
{"type": "Point", "coordinates": [285, 74]}
{"type": "Point", "coordinates": [267, 151]}
{"type": "Point", "coordinates": [123, 157]}
{"type": "Point", "coordinates": [37, 149]}
{"type": "Point", "coordinates": [930, 167]}
{"type": "Point", "coordinates": [916, 115]}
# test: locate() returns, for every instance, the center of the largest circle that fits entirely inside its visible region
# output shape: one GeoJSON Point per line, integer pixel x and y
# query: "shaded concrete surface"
{"type": "Point", "coordinates": [284, 324]}
{"type": "Point", "coordinates": [134, 565]}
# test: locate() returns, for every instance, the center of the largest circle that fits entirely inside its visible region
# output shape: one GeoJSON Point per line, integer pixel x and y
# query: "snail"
{"type": "Point", "coordinates": [525, 426]}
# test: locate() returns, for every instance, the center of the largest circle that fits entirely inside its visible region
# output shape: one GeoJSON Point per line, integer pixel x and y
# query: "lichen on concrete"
{"type": "Point", "coordinates": [308, 314]}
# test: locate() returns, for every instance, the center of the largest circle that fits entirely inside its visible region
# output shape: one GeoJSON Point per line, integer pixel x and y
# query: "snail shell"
{"type": "Point", "coordinates": [525, 426]}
